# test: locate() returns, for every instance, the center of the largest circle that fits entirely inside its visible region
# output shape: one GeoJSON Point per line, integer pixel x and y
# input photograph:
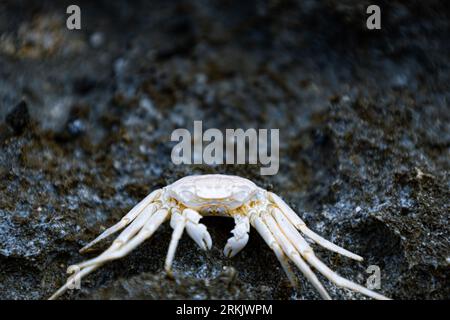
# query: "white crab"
{"type": "Point", "coordinates": [188, 199]}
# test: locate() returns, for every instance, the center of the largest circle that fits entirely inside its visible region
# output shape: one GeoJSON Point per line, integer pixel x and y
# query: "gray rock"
{"type": "Point", "coordinates": [363, 119]}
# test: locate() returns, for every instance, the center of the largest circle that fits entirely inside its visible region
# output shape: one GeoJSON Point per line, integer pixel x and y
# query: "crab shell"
{"type": "Point", "coordinates": [213, 193]}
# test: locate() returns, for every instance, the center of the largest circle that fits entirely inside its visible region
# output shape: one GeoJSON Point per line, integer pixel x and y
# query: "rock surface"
{"type": "Point", "coordinates": [86, 118]}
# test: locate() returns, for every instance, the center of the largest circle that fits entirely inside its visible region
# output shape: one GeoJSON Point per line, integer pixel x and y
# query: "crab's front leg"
{"type": "Point", "coordinates": [240, 236]}
{"type": "Point", "coordinates": [178, 223]}
{"type": "Point", "coordinates": [188, 219]}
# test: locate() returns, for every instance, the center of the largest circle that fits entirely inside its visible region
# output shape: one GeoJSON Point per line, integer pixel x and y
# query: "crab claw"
{"type": "Point", "coordinates": [199, 234]}
{"type": "Point", "coordinates": [196, 230]}
{"type": "Point", "coordinates": [234, 245]}
{"type": "Point", "coordinates": [240, 237]}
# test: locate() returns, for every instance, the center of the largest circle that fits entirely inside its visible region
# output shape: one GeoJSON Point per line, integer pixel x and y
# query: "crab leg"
{"type": "Point", "coordinates": [78, 276]}
{"type": "Point", "coordinates": [128, 233]}
{"type": "Point", "coordinates": [178, 223]}
{"type": "Point", "coordinates": [127, 219]}
{"type": "Point", "coordinates": [340, 281]}
{"type": "Point", "coordinates": [265, 233]}
{"type": "Point", "coordinates": [300, 225]}
{"type": "Point", "coordinates": [291, 233]}
{"type": "Point", "coordinates": [118, 252]}
{"type": "Point", "coordinates": [240, 236]}
{"type": "Point", "coordinates": [146, 220]}
{"type": "Point", "coordinates": [189, 219]}
{"type": "Point", "coordinates": [294, 255]}
{"type": "Point", "coordinates": [306, 251]}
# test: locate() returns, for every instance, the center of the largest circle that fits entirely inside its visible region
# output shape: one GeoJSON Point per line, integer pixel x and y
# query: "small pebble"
{"type": "Point", "coordinates": [97, 39]}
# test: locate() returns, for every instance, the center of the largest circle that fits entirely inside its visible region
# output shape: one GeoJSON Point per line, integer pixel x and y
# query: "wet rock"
{"type": "Point", "coordinates": [41, 36]}
{"type": "Point", "coordinates": [364, 143]}
{"type": "Point", "coordinates": [158, 286]}
{"type": "Point", "coordinates": [19, 118]}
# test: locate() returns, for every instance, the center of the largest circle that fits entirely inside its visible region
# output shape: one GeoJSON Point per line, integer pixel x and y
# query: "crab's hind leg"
{"type": "Point", "coordinates": [300, 225]}
{"type": "Point", "coordinates": [308, 254]}
{"type": "Point", "coordinates": [72, 280]}
{"type": "Point", "coordinates": [340, 281]}
{"type": "Point", "coordinates": [294, 255]}
{"type": "Point", "coordinates": [126, 220]}
{"type": "Point", "coordinates": [267, 236]}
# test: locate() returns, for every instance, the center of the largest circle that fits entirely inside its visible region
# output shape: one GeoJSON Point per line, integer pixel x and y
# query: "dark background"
{"type": "Point", "coordinates": [86, 118]}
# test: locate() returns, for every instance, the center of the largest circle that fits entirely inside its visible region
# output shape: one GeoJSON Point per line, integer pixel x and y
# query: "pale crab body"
{"type": "Point", "coordinates": [214, 194]}
{"type": "Point", "coordinates": [187, 200]}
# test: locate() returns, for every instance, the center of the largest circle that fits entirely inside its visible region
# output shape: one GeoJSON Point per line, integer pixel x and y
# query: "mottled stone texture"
{"type": "Point", "coordinates": [86, 116]}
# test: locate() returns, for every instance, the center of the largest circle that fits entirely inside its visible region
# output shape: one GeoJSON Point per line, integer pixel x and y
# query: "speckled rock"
{"type": "Point", "coordinates": [85, 122]}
